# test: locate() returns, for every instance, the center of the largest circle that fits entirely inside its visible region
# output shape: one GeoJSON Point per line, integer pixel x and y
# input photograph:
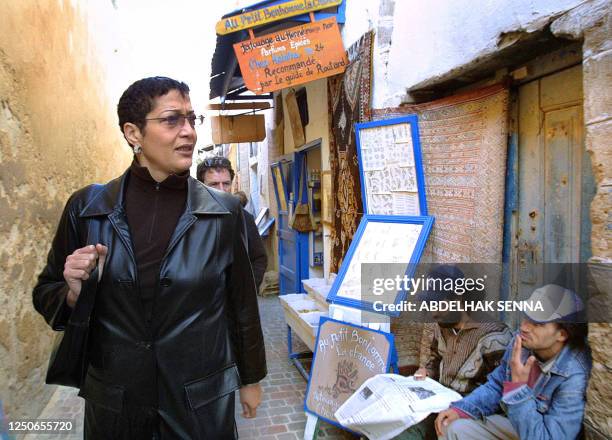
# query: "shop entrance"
{"type": "Point", "coordinates": [288, 255]}
{"type": "Point", "coordinates": [555, 180]}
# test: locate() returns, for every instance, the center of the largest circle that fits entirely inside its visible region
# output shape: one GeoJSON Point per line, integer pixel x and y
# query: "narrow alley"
{"type": "Point", "coordinates": [413, 199]}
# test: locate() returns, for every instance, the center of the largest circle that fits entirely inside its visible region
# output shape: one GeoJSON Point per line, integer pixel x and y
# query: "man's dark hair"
{"type": "Point", "coordinates": [439, 276]}
{"type": "Point", "coordinates": [216, 163]}
{"type": "Point", "coordinates": [138, 99]}
{"type": "Point", "coordinates": [577, 334]}
{"type": "Point", "coordinates": [244, 200]}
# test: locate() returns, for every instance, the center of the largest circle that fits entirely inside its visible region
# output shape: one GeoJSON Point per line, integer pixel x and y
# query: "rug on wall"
{"type": "Point", "coordinates": [464, 143]}
{"type": "Point", "coordinates": [349, 101]}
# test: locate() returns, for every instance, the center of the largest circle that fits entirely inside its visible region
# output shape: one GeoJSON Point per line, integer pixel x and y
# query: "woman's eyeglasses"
{"type": "Point", "coordinates": [178, 120]}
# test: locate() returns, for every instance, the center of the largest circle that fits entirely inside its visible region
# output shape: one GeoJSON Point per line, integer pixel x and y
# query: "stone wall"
{"type": "Point", "coordinates": [58, 132]}
{"type": "Point", "coordinates": [592, 22]}
{"type": "Point", "coordinates": [598, 123]}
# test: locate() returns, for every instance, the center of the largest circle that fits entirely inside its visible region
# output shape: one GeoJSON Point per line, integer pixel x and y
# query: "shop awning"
{"type": "Point", "coordinates": [225, 78]}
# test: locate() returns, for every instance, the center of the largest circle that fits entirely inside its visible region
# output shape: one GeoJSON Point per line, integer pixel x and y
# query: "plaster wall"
{"type": "Point", "coordinates": [416, 41]}
{"type": "Point", "coordinates": [318, 124]}
{"type": "Point", "coordinates": [58, 132]}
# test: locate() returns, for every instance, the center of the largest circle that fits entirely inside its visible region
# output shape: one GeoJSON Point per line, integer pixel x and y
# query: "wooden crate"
{"type": "Point", "coordinates": [305, 325]}
{"type": "Point", "coordinates": [317, 289]}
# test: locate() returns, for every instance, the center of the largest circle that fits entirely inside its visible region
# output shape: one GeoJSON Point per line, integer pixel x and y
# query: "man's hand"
{"type": "Point", "coordinates": [444, 419]}
{"type": "Point", "coordinates": [520, 371]}
{"type": "Point", "coordinates": [79, 265]}
{"type": "Point", "coordinates": [250, 398]}
{"type": "Point", "coordinates": [420, 374]}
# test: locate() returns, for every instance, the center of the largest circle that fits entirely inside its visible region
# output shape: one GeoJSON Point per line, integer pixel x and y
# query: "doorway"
{"type": "Point", "coordinates": [555, 180]}
{"type": "Point", "coordinates": [288, 252]}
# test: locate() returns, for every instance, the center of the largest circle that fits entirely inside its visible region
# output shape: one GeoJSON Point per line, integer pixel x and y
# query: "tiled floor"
{"type": "Point", "coordinates": [280, 416]}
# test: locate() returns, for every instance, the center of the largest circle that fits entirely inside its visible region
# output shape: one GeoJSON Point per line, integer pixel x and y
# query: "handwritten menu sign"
{"type": "Point", "coordinates": [292, 56]}
{"type": "Point", "coordinates": [270, 14]}
{"type": "Point", "coordinates": [345, 356]}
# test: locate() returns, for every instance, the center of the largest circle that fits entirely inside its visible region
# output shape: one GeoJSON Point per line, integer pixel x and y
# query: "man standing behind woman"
{"type": "Point", "coordinates": [175, 329]}
{"type": "Point", "coordinates": [217, 173]}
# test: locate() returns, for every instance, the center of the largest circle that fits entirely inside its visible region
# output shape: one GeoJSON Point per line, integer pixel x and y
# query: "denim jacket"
{"type": "Point", "coordinates": [553, 409]}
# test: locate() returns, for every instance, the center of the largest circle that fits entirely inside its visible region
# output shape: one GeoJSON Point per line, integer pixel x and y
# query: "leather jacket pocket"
{"type": "Point", "coordinates": [100, 393]}
{"type": "Point", "coordinates": [204, 391]}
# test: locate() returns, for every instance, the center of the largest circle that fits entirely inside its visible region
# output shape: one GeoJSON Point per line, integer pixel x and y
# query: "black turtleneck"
{"type": "Point", "coordinates": [153, 209]}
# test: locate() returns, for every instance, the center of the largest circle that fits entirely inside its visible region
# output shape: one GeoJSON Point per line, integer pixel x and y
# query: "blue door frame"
{"type": "Point", "coordinates": [288, 265]}
{"type": "Point", "coordinates": [292, 245]}
{"type": "Point", "coordinates": [302, 237]}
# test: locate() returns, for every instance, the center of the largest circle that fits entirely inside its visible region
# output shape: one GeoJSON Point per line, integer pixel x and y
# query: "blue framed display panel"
{"type": "Point", "coordinates": [391, 358]}
{"type": "Point", "coordinates": [426, 223]}
{"type": "Point", "coordinates": [412, 121]}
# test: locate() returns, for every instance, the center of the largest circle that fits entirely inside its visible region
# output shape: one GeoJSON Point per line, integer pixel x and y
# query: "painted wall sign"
{"type": "Point", "coordinates": [270, 14]}
{"type": "Point", "coordinates": [292, 56]}
{"type": "Point", "coordinates": [346, 355]}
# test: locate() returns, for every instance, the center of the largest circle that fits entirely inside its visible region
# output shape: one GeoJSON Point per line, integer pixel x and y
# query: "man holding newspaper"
{"type": "Point", "coordinates": [462, 353]}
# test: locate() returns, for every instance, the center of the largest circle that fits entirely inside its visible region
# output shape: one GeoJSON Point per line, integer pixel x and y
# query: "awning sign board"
{"type": "Point", "coordinates": [292, 56]}
{"type": "Point", "coordinates": [271, 14]}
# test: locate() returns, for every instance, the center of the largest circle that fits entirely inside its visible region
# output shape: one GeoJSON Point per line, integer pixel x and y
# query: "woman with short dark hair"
{"type": "Point", "coordinates": [175, 329]}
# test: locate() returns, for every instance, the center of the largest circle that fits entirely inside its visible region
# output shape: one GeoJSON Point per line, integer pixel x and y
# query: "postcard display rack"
{"type": "Point", "coordinates": [394, 229]}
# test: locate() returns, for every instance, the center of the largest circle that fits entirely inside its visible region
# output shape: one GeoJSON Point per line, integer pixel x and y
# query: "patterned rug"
{"type": "Point", "coordinates": [464, 142]}
{"type": "Point", "coordinates": [349, 99]}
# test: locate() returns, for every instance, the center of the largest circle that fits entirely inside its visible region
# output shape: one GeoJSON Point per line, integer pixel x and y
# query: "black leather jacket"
{"type": "Point", "coordinates": [205, 328]}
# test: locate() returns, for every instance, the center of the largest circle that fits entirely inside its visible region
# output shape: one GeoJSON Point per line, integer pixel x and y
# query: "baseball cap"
{"type": "Point", "coordinates": [554, 303]}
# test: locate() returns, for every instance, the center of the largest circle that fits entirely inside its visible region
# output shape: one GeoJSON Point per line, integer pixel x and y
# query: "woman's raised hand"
{"type": "Point", "coordinates": [79, 265]}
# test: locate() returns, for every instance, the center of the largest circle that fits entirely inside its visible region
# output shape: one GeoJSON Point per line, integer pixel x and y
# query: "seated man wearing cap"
{"type": "Point", "coordinates": [538, 391]}
{"type": "Point", "coordinates": [463, 351]}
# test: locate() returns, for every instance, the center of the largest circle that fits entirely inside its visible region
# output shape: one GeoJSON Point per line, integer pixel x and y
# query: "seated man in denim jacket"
{"type": "Point", "coordinates": [539, 387]}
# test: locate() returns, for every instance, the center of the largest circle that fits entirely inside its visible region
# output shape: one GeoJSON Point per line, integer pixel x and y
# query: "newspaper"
{"type": "Point", "coordinates": [387, 404]}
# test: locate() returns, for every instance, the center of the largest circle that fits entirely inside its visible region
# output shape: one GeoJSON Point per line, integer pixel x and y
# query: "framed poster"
{"type": "Point", "coordinates": [391, 167]}
{"type": "Point", "coordinates": [345, 356]}
{"type": "Point", "coordinates": [381, 240]}
{"type": "Point", "coordinates": [327, 202]}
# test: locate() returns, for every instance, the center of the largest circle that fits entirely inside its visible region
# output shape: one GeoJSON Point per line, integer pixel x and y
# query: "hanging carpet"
{"type": "Point", "coordinates": [349, 101]}
{"type": "Point", "coordinates": [464, 143]}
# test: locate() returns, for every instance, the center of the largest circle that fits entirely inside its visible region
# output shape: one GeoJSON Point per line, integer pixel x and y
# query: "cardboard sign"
{"type": "Point", "coordinates": [240, 128]}
{"type": "Point", "coordinates": [270, 14]}
{"type": "Point", "coordinates": [345, 356]}
{"type": "Point", "coordinates": [292, 56]}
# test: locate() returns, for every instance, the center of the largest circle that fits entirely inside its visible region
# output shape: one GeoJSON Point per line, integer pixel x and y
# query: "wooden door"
{"type": "Point", "coordinates": [555, 183]}
{"type": "Point", "coordinates": [288, 265]}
